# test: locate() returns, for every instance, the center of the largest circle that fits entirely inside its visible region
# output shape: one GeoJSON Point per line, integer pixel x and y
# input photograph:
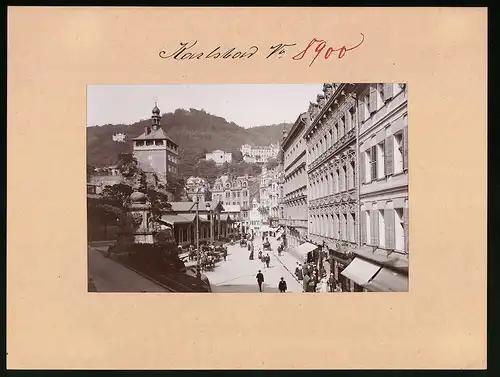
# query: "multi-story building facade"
{"type": "Point", "coordinates": [219, 156]}
{"type": "Point", "coordinates": [255, 220]}
{"type": "Point", "coordinates": [197, 189]}
{"type": "Point", "coordinates": [259, 154]}
{"type": "Point", "coordinates": [237, 191]}
{"type": "Point", "coordinates": [294, 217]}
{"type": "Point", "coordinates": [270, 193]}
{"type": "Point", "coordinates": [331, 169]}
{"type": "Point", "coordinates": [155, 151]}
{"type": "Point", "coordinates": [358, 187]}
{"type": "Point", "coordinates": [231, 190]}
{"type": "Point", "coordinates": [383, 147]}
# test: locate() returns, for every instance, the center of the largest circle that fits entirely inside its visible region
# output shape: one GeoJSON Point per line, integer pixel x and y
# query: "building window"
{"type": "Point", "coordinates": [399, 229]}
{"type": "Point", "coordinates": [343, 179]}
{"type": "Point", "coordinates": [368, 227]}
{"type": "Point", "coordinates": [139, 143]}
{"type": "Point", "coordinates": [380, 160]}
{"type": "Point", "coordinates": [352, 116]}
{"type": "Point", "coordinates": [343, 226]}
{"type": "Point", "coordinates": [350, 227]}
{"type": "Point", "coordinates": [352, 175]}
{"type": "Point", "coordinates": [336, 132]}
{"type": "Point", "coordinates": [149, 142]}
{"type": "Point", "coordinates": [398, 152]}
{"type": "Point", "coordinates": [158, 142]}
{"type": "Point", "coordinates": [336, 184]}
{"type": "Point", "coordinates": [228, 194]}
{"type": "Point", "coordinates": [381, 228]}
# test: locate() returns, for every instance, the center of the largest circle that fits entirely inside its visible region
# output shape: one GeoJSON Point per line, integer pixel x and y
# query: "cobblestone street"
{"type": "Point", "coordinates": [237, 274]}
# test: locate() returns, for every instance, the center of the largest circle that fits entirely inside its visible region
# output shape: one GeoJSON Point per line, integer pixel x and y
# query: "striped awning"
{"type": "Point", "coordinates": [360, 271]}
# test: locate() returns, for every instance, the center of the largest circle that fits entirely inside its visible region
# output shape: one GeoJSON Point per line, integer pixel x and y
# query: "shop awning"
{"type": "Point", "coordinates": [382, 257]}
{"type": "Point", "coordinates": [360, 271]}
{"type": "Point", "coordinates": [388, 281]}
{"type": "Point", "coordinates": [305, 248]}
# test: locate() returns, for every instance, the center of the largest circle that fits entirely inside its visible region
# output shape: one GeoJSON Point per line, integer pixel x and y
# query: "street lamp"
{"type": "Point", "coordinates": [211, 223]}
{"type": "Point", "coordinates": [197, 204]}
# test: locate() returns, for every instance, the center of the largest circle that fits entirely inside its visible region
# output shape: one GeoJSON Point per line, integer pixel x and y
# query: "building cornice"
{"type": "Point", "coordinates": [324, 110]}
{"type": "Point", "coordinates": [293, 131]}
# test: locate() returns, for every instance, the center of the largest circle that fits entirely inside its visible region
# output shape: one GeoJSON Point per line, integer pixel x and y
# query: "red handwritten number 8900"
{"type": "Point", "coordinates": [320, 46]}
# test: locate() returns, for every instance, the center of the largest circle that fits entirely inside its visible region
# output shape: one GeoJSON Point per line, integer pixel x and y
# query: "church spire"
{"type": "Point", "coordinates": [155, 118]}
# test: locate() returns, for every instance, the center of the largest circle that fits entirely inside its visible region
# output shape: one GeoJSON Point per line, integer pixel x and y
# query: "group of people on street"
{"type": "Point", "coordinates": [208, 257]}
{"type": "Point", "coordinates": [310, 275]}
{"type": "Point", "coordinates": [282, 287]}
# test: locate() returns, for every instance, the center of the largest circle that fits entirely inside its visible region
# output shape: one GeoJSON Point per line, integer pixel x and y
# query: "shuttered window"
{"type": "Point", "coordinates": [362, 167]}
{"type": "Point", "coordinates": [374, 227]}
{"type": "Point", "coordinates": [405, 144]}
{"type": "Point", "coordinates": [372, 102]}
{"type": "Point", "coordinates": [388, 91]}
{"type": "Point", "coordinates": [373, 163]}
{"type": "Point", "coordinates": [363, 228]}
{"type": "Point", "coordinates": [405, 225]}
{"type": "Point", "coordinates": [389, 228]}
{"type": "Point", "coordinates": [389, 156]}
{"type": "Point", "coordinates": [362, 109]}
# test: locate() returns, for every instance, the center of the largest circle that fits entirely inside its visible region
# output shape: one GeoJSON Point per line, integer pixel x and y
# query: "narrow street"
{"type": "Point", "coordinates": [237, 273]}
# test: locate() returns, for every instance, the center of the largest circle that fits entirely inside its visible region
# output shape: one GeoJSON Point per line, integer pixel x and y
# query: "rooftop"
{"type": "Point", "coordinates": [159, 134]}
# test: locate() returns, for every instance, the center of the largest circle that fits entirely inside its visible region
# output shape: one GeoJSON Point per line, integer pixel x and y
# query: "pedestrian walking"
{"type": "Point", "coordinates": [268, 260]}
{"type": "Point", "coordinates": [282, 285]}
{"type": "Point", "coordinates": [305, 283]}
{"type": "Point", "coordinates": [331, 283]}
{"type": "Point", "coordinates": [260, 280]}
{"type": "Point", "coordinates": [224, 253]}
{"type": "Point", "coordinates": [300, 272]}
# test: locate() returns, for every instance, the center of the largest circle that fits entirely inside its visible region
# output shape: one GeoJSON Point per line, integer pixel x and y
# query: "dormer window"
{"type": "Point", "coordinates": [139, 143]}
{"type": "Point", "coordinates": [158, 142]}
{"type": "Point", "coordinates": [149, 142]}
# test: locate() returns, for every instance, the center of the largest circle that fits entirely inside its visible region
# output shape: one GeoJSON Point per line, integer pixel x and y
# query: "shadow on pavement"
{"type": "Point", "coordinates": [243, 288]}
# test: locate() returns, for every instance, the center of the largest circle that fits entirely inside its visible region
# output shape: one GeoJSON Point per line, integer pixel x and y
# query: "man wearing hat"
{"type": "Point", "coordinates": [282, 285]}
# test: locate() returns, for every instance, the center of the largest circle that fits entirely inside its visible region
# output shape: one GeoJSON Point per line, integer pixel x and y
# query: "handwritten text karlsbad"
{"type": "Point", "coordinates": [317, 48]}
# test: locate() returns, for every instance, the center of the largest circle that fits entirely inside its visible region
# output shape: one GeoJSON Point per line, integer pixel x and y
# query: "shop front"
{"type": "Point", "coordinates": [306, 251]}
{"type": "Point", "coordinates": [377, 270]}
{"type": "Point", "coordinates": [338, 263]}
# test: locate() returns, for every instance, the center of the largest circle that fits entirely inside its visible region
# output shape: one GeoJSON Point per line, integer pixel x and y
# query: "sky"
{"type": "Point", "coordinates": [247, 105]}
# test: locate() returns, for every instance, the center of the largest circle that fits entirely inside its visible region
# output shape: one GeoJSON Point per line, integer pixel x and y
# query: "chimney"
{"type": "Point", "coordinates": [147, 130]}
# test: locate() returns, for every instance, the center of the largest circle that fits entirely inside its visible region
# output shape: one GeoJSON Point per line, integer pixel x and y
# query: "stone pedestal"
{"type": "Point", "coordinates": [140, 212]}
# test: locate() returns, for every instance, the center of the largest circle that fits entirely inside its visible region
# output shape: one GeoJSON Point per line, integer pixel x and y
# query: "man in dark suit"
{"type": "Point", "coordinates": [260, 280]}
{"type": "Point", "coordinates": [282, 285]}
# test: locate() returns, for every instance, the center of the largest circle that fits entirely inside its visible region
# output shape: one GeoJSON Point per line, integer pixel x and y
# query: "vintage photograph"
{"type": "Point", "coordinates": [272, 188]}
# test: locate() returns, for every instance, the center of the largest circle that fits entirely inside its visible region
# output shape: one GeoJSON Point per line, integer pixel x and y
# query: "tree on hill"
{"type": "Point", "coordinates": [127, 164]}
{"type": "Point", "coordinates": [272, 163]}
{"type": "Point", "coordinates": [195, 131]}
{"type": "Point", "coordinates": [207, 169]}
{"type": "Point", "coordinates": [238, 156]}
